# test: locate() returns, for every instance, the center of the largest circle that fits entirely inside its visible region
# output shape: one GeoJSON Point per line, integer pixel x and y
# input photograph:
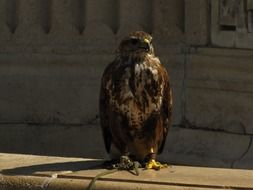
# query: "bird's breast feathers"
{"type": "Point", "coordinates": [136, 89]}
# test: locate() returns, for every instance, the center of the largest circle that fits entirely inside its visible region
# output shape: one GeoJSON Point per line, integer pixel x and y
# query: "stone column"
{"type": "Point", "coordinates": [63, 19]}
{"type": "Point", "coordinates": [196, 22]}
{"type": "Point", "coordinates": [168, 20]}
{"type": "Point", "coordinates": [4, 31]}
{"type": "Point", "coordinates": [101, 22]}
{"type": "Point", "coordinates": [29, 22]}
{"type": "Point", "coordinates": [135, 15]}
{"type": "Point", "coordinates": [103, 12]}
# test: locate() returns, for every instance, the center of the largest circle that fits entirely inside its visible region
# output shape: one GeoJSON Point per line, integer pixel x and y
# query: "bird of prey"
{"type": "Point", "coordinates": [136, 101]}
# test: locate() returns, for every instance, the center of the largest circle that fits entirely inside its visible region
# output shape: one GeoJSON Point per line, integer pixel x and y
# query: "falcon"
{"type": "Point", "coordinates": [136, 101]}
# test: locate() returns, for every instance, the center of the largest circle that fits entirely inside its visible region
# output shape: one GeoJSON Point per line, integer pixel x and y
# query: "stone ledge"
{"type": "Point", "coordinates": [41, 172]}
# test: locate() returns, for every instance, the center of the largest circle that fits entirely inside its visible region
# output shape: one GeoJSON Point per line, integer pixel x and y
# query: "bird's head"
{"type": "Point", "coordinates": [137, 43]}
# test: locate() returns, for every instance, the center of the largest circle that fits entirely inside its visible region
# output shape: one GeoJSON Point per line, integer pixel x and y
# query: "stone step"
{"type": "Point", "coordinates": [43, 172]}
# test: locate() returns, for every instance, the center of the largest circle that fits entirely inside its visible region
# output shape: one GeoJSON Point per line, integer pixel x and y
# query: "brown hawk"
{"type": "Point", "coordinates": [136, 101]}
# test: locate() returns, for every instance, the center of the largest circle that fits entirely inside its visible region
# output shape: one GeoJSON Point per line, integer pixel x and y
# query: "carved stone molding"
{"type": "Point", "coordinates": [232, 22]}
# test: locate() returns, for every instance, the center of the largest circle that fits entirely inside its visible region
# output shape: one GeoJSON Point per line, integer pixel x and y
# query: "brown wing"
{"type": "Point", "coordinates": [166, 112]}
{"type": "Point", "coordinates": [104, 107]}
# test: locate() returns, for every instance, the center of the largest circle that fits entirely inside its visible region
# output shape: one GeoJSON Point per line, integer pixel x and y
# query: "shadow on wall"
{"type": "Point", "coordinates": [56, 140]}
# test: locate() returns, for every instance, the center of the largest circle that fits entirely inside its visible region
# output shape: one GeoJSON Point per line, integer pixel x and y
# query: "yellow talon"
{"type": "Point", "coordinates": [152, 164]}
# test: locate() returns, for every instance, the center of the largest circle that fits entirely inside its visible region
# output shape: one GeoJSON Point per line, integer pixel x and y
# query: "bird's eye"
{"type": "Point", "coordinates": [134, 41]}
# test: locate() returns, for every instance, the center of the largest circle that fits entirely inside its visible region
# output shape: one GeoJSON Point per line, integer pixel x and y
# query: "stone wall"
{"type": "Point", "coordinates": [53, 53]}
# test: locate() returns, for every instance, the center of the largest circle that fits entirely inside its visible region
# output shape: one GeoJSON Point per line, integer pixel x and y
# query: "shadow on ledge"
{"type": "Point", "coordinates": [54, 167]}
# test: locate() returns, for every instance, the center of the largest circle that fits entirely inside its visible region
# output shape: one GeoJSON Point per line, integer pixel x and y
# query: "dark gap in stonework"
{"type": "Point", "coordinates": [46, 15]}
{"type": "Point", "coordinates": [227, 28]}
{"type": "Point", "coordinates": [250, 21]}
{"type": "Point", "coordinates": [11, 15]}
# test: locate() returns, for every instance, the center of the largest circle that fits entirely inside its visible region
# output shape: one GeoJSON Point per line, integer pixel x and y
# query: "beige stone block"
{"type": "Point", "coordinates": [219, 110]}
{"type": "Point", "coordinates": [219, 90]}
{"type": "Point", "coordinates": [50, 89]}
{"type": "Point", "coordinates": [196, 22]}
{"type": "Point", "coordinates": [204, 148]}
{"type": "Point", "coordinates": [228, 72]}
{"type": "Point", "coordinates": [62, 140]}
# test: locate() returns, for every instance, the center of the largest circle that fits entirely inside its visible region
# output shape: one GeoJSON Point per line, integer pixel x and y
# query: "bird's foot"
{"type": "Point", "coordinates": [152, 164]}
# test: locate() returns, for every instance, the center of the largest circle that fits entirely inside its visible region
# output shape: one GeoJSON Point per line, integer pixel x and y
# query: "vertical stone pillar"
{"type": "Point", "coordinates": [4, 31]}
{"type": "Point", "coordinates": [135, 15]}
{"type": "Point", "coordinates": [244, 36]}
{"type": "Point", "coordinates": [196, 22]}
{"type": "Point", "coordinates": [101, 22]}
{"type": "Point", "coordinates": [220, 36]}
{"type": "Point", "coordinates": [102, 11]}
{"type": "Point", "coordinates": [168, 20]}
{"type": "Point", "coordinates": [241, 25]}
{"type": "Point", "coordinates": [250, 15]}
{"type": "Point", "coordinates": [29, 22]}
{"type": "Point", "coordinates": [63, 18]}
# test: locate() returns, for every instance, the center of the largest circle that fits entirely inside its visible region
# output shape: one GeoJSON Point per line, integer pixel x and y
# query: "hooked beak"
{"type": "Point", "coordinates": [145, 44]}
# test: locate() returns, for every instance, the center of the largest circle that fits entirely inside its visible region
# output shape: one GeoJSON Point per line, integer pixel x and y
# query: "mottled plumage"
{"type": "Point", "coordinates": [135, 100]}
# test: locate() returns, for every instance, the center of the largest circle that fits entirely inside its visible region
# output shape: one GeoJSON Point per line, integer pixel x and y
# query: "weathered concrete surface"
{"type": "Point", "coordinates": [56, 89]}
{"type": "Point", "coordinates": [221, 110]}
{"type": "Point", "coordinates": [63, 140]}
{"type": "Point", "coordinates": [219, 90]}
{"type": "Point", "coordinates": [64, 89]}
{"type": "Point", "coordinates": [38, 172]}
{"type": "Point", "coordinates": [245, 160]}
{"type": "Point", "coordinates": [205, 148]}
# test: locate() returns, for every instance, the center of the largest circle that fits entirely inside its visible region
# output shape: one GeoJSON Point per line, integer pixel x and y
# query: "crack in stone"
{"type": "Point", "coordinates": [243, 154]}
{"type": "Point", "coordinates": [186, 124]}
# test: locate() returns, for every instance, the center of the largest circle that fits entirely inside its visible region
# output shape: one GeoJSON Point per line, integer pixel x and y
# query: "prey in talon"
{"type": "Point", "coordinates": [135, 102]}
